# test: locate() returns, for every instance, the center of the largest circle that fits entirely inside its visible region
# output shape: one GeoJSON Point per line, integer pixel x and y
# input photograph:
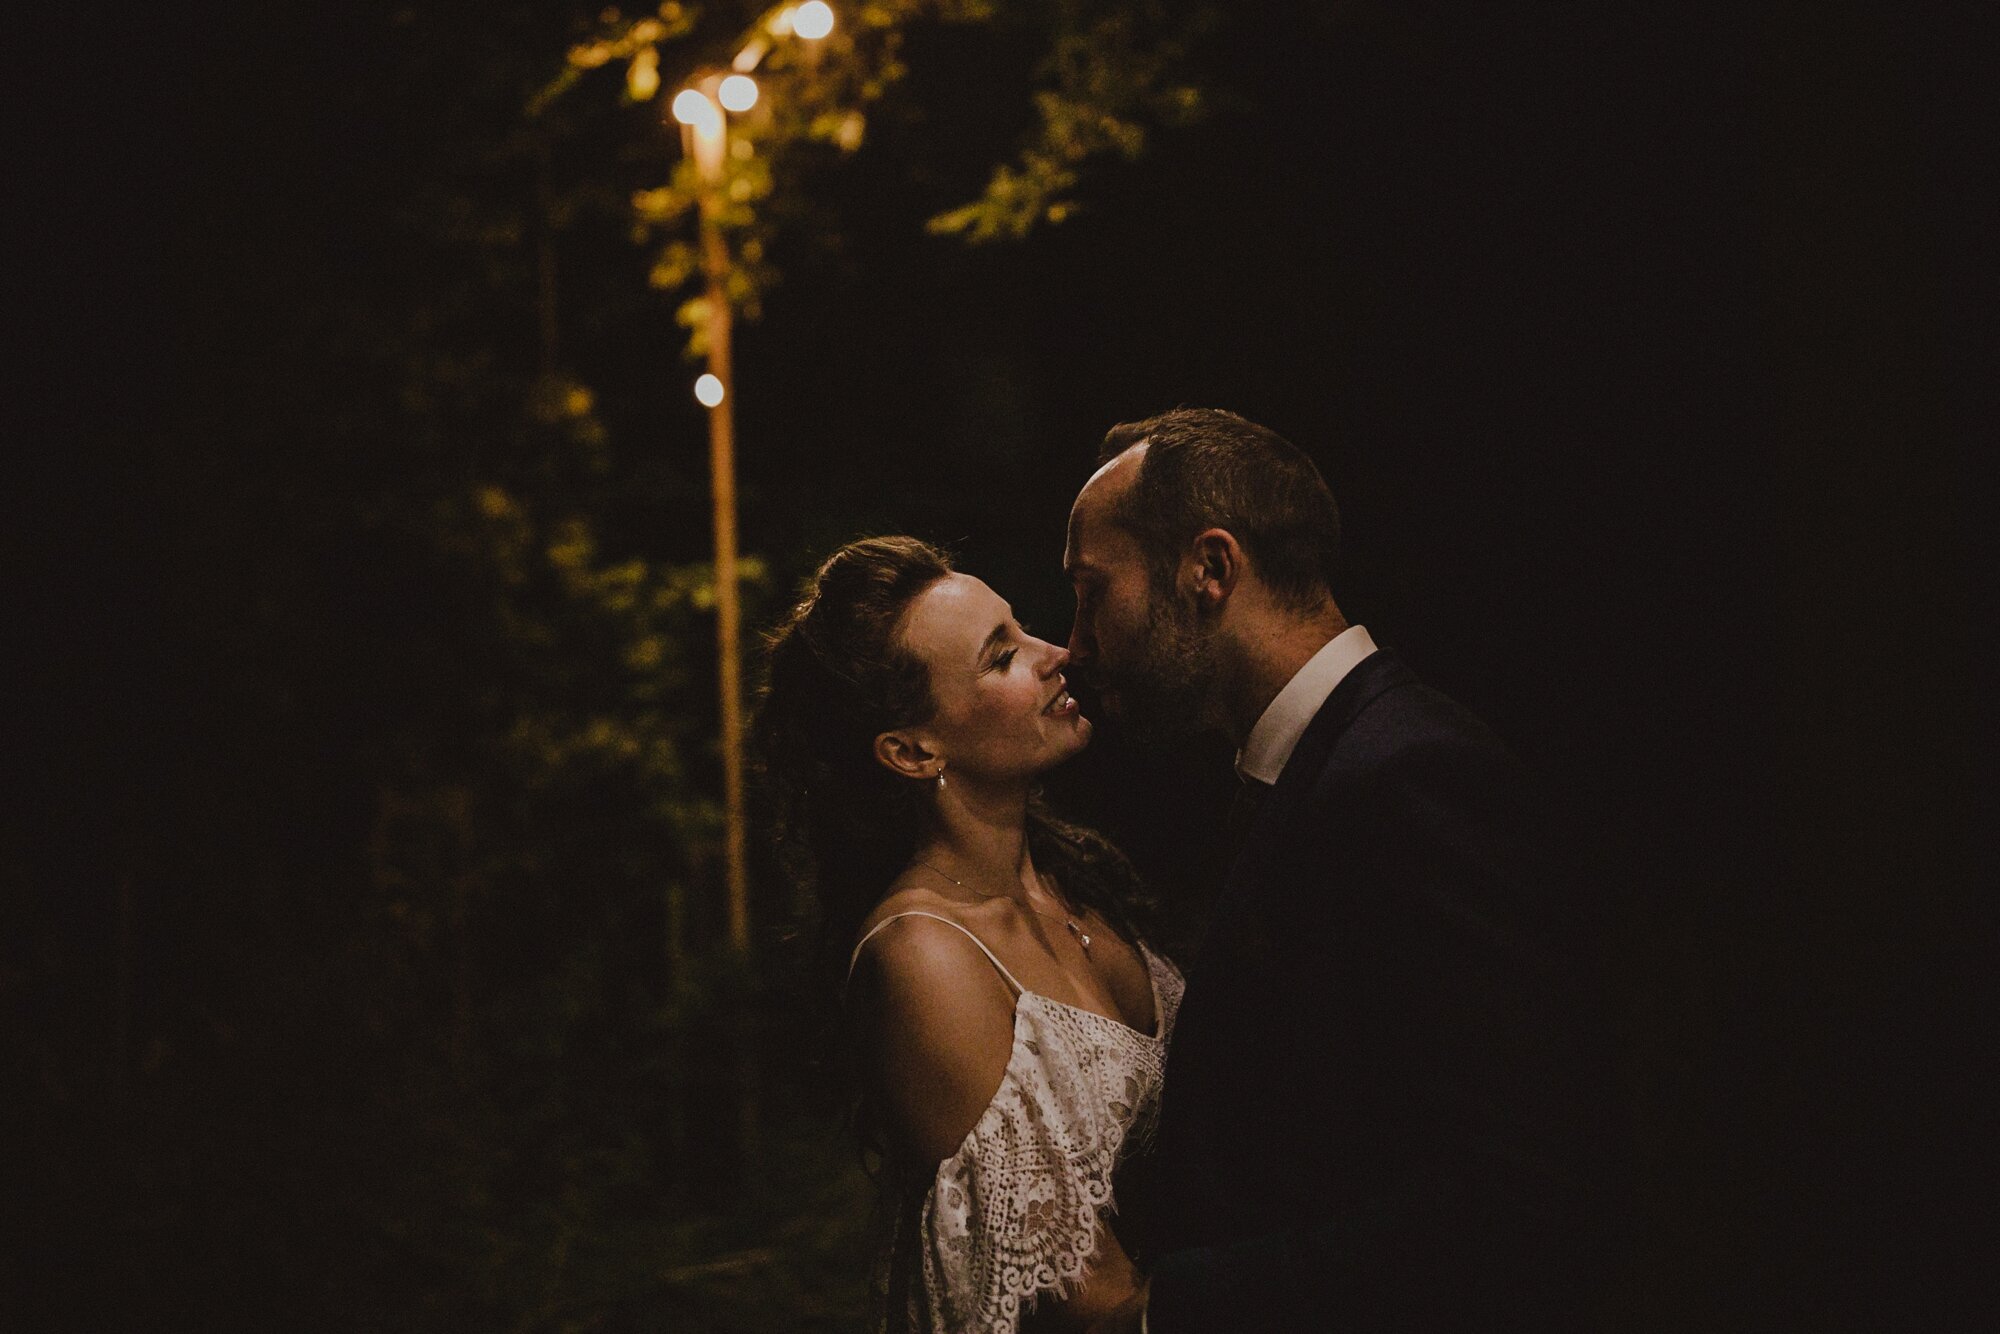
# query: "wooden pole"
{"type": "Point", "coordinates": [710, 150]}
{"type": "Point", "coordinates": [722, 478]}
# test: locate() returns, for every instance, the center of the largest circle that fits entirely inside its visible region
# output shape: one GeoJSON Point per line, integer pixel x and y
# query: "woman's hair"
{"type": "Point", "coordinates": [838, 674]}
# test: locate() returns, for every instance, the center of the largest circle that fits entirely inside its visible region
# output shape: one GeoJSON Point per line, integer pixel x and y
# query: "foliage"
{"type": "Point", "coordinates": [421, 1026]}
{"type": "Point", "coordinates": [1110, 68]}
{"type": "Point", "coordinates": [615, 1127]}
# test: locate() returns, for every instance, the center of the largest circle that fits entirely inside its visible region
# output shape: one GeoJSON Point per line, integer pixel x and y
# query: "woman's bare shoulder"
{"type": "Point", "coordinates": [909, 894]}
{"type": "Point", "coordinates": [934, 1018]}
{"type": "Point", "coordinates": [906, 946]}
{"type": "Point", "coordinates": [921, 951]}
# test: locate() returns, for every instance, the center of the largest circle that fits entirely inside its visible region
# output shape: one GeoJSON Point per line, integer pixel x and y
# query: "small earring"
{"type": "Point", "coordinates": [940, 778]}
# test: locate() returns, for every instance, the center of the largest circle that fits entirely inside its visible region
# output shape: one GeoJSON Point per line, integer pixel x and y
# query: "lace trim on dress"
{"type": "Point", "coordinates": [1015, 1212]}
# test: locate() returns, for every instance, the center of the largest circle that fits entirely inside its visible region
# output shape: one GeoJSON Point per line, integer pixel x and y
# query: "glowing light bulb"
{"type": "Point", "coordinates": [813, 19]}
{"type": "Point", "coordinates": [738, 92]}
{"type": "Point", "coordinates": [709, 390]}
{"type": "Point", "coordinates": [693, 107]}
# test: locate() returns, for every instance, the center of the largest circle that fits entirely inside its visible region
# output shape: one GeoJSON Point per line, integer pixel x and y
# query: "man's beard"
{"type": "Point", "coordinates": [1166, 690]}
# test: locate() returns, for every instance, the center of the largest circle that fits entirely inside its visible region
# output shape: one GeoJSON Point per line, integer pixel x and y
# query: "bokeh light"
{"type": "Point", "coordinates": [738, 92]}
{"type": "Point", "coordinates": [814, 19]}
{"type": "Point", "coordinates": [693, 107]}
{"type": "Point", "coordinates": [709, 390]}
{"type": "Point", "coordinates": [642, 80]}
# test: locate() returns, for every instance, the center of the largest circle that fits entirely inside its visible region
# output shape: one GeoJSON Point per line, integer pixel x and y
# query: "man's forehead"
{"type": "Point", "coordinates": [1117, 473]}
{"type": "Point", "coordinates": [1090, 515]}
{"type": "Point", "coordinates": [1119, 467]}
{"type": "Point", "coordinates": [1101, 549]}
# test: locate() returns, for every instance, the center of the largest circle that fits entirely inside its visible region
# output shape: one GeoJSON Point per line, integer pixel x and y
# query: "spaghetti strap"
{"type": "Point", "coordinates": [855, 957]}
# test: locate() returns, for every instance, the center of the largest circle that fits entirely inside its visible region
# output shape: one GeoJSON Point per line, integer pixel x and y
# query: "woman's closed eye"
{"type": "Point", "coordinates": [1003, 660]}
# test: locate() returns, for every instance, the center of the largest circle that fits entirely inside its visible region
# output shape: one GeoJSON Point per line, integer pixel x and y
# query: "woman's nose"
{"type": "Point", "coordinates": [1058, 659]}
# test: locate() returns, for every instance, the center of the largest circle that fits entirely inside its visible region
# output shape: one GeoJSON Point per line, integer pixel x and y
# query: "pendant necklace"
{"type": "Point", "coordinates": [1082, 936]}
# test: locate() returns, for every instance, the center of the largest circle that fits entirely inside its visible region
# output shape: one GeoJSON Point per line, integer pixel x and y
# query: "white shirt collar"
{"type": "Point", "coordinates": [1284, 720]}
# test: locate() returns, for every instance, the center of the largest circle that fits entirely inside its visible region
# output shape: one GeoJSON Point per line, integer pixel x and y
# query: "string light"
{"type": "Point", "coordinates": [738, 92]}
{"type": "Point", "coordinates": [708, 389]}
{"type": "Point", "coordinates": [813, 19]}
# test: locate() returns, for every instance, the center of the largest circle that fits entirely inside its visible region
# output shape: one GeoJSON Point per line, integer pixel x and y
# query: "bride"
{"type": "Point", "coordinates": [1008, 1024]}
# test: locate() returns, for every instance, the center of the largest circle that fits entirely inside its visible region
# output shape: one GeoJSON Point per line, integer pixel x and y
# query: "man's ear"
{"type": "Point", "coordinates": [907, 754]}
{"type": "Point", "coordinates": [1215, 562]}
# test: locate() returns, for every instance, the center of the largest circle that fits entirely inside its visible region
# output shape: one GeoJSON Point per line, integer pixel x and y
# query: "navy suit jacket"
{"type": "Point", "coordinates": [1384, 1108]}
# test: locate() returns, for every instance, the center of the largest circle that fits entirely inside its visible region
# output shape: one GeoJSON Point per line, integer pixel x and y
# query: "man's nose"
{"type": "Point", "coordinates": [1079, 642]}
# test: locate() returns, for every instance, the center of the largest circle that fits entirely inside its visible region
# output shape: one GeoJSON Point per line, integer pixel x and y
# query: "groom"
{"type": "Point", "coordinates": [1381, 1108]}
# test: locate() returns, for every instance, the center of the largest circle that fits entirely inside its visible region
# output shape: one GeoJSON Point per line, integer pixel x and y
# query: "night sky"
{"type": "Point", "coordinates": [1623, 339]}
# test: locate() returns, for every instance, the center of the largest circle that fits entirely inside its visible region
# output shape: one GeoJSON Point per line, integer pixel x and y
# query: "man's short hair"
{"type": "Point", "coordinates": [1205, 468]}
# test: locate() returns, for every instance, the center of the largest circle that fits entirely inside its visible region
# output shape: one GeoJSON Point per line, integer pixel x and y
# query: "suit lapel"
{"type": "Point", "coordinates": [1379, 671]}
{"type": "Point", "coordinates": [1233, 980]}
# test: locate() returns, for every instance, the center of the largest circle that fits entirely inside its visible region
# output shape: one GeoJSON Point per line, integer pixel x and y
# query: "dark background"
{"type": "Point", "coordinates": [1625, 341]}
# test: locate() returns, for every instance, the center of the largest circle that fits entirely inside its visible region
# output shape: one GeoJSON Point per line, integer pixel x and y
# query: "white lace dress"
{"type": "Point", "coordinates": [1014, 1213]}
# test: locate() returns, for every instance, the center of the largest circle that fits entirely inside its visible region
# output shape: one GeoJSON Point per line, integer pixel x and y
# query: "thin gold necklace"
{"type": "Point", "coordinates": [1082, 936]}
